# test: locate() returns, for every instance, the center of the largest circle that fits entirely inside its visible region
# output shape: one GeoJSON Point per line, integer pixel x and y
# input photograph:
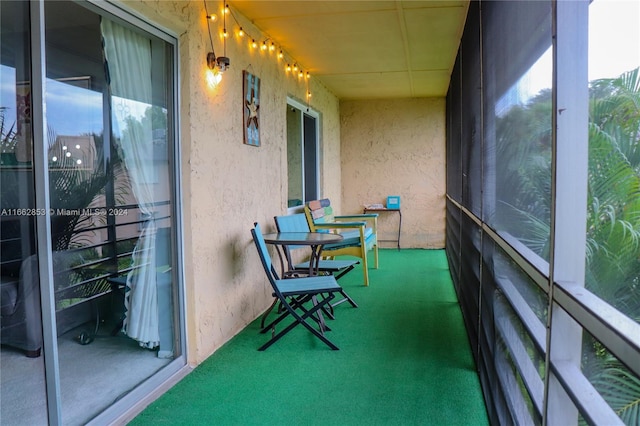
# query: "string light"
{"type": "Point", "coordinates": [307, 87]}
{"type": "Point", "coordinates": [215, 64]}
{"type": "Point", "coordinates": [267, 44]}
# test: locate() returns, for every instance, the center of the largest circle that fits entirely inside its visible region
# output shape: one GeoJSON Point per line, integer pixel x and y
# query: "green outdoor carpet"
{"type": "Point", "coordinates": [404, 359]}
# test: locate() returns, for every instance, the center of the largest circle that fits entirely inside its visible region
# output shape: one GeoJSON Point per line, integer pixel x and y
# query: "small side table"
{"type": "Point", "coordinates": [383, 210]}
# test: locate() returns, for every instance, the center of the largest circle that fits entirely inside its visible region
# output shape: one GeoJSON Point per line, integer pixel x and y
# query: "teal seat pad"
{"type": "Point", "coordinates": [351, 238]}
{"type": "Point", "coordinates": [328, 265]}
{"type": "Point", "coordinates": [306, 285]}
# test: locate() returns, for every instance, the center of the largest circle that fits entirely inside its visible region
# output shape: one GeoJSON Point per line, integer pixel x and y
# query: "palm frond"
{"type": "Point", "coordinates": [8, 137]}
{"type": "Point", "coordinates": [621, 390]}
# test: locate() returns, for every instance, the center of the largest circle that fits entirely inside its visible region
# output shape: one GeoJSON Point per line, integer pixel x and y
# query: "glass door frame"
{"type": "Point", "coordinates": [313, 114]}
{"type": "Point", "coordinates": [132, 402]}
{"type": "Point", "coordinates": [43, 222]}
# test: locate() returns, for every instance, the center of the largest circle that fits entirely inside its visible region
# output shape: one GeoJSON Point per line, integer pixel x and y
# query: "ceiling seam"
{"type": "Point", "coordinates": [405, 44]}
{"type": "Point", "coordinates": [434, 70]}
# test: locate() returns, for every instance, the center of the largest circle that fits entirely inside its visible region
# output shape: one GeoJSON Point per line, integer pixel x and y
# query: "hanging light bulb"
{"type": "Point", "coordinates": [215, 65]}
{"type": "Point", "coordinates": [240, 32]}
{"type": "Point", "coordinates": [288, 68]}
{"type": "Point", "coordinates": [300, 74]}
{"type": "Point", "coordinates": [213, 77]}
{"type": "Point", "coordinates": [295, 67]}
{"type": "Point", "coordinates": [264, 45]}
{"type": "Point", "coordinates": [280, 55]}
{"type": "Point", "coordinates": [308, 75]}
{"type": "Point", "coordinates": [226, 9]}
{"type": "Point", "coordinates": [308, 94]}
{"type": "Point", "coordinates": [254, 44]}
{"type": "Point", "coordinates": [272, 47]}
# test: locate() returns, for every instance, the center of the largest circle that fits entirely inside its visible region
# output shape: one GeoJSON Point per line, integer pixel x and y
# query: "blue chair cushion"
{"type": "Point", "coordinates": [306, 285]}
{"type": "Point", "coordinates": [351, 238]}
{"type": "Point", "coordinates": [328, 265]}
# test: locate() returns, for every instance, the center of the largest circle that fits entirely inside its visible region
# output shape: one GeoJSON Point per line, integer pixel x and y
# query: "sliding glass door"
{"type": "Point", "coordinates": [22, 390]}
{"type": "Point", "coordinates": [110, 183]}
{"type": "Point", "coordinates": [303, 156]}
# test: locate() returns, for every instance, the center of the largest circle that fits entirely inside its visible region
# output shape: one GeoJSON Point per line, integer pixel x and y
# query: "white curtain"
{"type": "Point", "coordinates": [128, 57]}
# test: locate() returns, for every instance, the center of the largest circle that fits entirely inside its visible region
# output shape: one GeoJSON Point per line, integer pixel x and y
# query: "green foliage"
{"type": "Point", "coordinates": [613, 223]}
{"type": "Point", "coordinates": [523, 151]}
{"type": "Point", "coordinates": [613, 210]}
{"type": "Point", "coordinates": [620, 388]}
{"type": "Point", "coordinates": [7, 134]}
{"type": "Point", "coordinates": [75, 188]}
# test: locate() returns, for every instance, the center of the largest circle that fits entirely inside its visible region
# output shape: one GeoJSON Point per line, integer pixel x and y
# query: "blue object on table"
{"type": "Point", "coordinates": [393, 202]}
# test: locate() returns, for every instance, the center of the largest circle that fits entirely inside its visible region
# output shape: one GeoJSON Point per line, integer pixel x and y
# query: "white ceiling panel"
{"type": "Point", "coordinates": [367, 49]}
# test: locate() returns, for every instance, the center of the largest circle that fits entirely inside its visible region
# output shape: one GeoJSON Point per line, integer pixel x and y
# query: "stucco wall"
{"type": "Point", "coordinates": [227, 185]}
{"type": "Point", "coordinates": [396, 147]}
{"type": "Point", "coordinates": [369, 150]}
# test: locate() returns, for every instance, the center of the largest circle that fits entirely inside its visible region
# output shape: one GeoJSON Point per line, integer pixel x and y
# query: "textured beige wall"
{"type": "Point", "coordinates": [388, 147]}
{"type": "Point", "coordinates": [227, 185]}
{"type": "Point", "coordinates": [396, 147]}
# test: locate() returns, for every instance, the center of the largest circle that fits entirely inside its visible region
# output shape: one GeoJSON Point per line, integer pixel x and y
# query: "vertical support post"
{"type": "Point", "coordinates": [569, 194]}
{"type": "Point", "coordinates": [109, 191]}
{"type": "Point", "coordinates": [43, 222]}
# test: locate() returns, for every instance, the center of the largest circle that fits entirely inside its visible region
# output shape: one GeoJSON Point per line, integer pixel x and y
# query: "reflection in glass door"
{"type": "Point", "coordinates": [110, 184]}
{"type": "Point", "coordinates": [302, 154]}
{"type": "Point", "coordinates": [110, 190]}
{"type": "Point", "coordinates": [22, 386]}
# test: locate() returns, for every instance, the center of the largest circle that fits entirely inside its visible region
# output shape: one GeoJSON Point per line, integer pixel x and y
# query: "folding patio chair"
{"type": "Point", "coordinates": [294, 295]}
{"type": "Point", "coordinates": [337, 268]}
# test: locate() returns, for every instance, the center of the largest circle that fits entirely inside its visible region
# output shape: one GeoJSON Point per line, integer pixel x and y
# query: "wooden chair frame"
{"type": "Point", "coordinates": [357, 224]}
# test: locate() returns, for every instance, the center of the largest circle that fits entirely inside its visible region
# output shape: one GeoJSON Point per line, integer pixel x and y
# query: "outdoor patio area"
{"type": "Point", "coordinates": [404, 359]}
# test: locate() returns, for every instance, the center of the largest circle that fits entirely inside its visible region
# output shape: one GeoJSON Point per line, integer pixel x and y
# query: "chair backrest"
{"type": "Point", "coordinates": [292, 223]}
{"type": "Point", "coordinates": [320, 211]}
{"type": "Point", "coordinates": [265, 258]}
